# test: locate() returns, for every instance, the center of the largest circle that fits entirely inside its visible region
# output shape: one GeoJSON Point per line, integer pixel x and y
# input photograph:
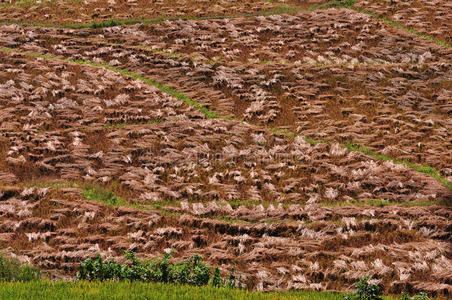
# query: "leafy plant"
{"type": "Point", "coordinates": [365, 291]}
{"type": "Point", "coordinates": [216, 279]}
{"type": "Point", "coordinates": [191, 271]}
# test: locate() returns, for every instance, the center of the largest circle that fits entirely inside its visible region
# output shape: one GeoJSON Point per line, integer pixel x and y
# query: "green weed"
{"type": "Point", "coordinates": [314, 141]}
{"type": "Point", "coordinates": [285, 132]}
{"type": "Point", "coordinates": [191, 271]}
{"type": "Point", "coordinates": [365, 291]}
{"type": "Point", "coordinates": [103, 195]}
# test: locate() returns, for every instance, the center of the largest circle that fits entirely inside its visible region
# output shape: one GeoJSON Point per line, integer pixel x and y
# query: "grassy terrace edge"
{"type": "Point", "coordinates": [213, 115]}
{"type": "Point", "coordinates": [136, 290]}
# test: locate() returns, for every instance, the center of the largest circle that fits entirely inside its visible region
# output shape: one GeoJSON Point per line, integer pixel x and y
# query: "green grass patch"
{"type": "Point", "coordinates": [163, 204]}
{"type": "Point", "coordinates": [285, 132]}
{"type": "Point", "coordinates": [314, 142]}
{"type": "Point", "coordinates": [12, 269]}
{"type": "Point", "coordinates": [334, 4]}
{"type": "Point", "coordinates": [100, 194]}
{"type": "Point", "coordinates": [113, 22]}
{"type": "Point", "coordinates": [60, 290]}
{"type": "Point", "coordinates": [107, 196]}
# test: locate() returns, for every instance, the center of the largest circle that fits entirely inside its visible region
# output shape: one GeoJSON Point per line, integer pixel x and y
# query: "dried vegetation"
{"type": "Point", "coordinates": [132, 138]}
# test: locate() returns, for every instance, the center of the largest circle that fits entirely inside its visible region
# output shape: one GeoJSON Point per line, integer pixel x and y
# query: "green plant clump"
{"type": "Point", "coordinates": [190, 272]}
{"type": "Point", "coordinates": [13, 270]}
{"type": "Point", "coordinates": [99, 194]}
{"type": "Point", "coordinates": [136, 290]}
{"type": "Point", "coordinates": [365, 291]}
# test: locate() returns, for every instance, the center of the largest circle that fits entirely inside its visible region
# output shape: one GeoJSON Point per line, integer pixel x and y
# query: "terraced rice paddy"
{"type": "Point", "coordinates": [305, 145]}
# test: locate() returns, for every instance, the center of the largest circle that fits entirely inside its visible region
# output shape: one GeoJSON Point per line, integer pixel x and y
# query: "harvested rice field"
{"type": "Point", "coordinates": [304, 144]}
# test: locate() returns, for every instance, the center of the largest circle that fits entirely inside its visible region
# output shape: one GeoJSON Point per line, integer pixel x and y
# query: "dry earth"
{"type": "Point", "coordinates": [259, 195]}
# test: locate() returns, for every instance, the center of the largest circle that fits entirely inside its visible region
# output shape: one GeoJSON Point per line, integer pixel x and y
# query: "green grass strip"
{"type": "Point", "coordinates": [333, 4]}
{"type": "Point", "coordinates": [103, 195]}
{"type": "Point", "coordinates": [60, 290]}
{"type": "Point", "coordinates": [213, 115]}
{"type": "Point", "coordinates": [90, 191]}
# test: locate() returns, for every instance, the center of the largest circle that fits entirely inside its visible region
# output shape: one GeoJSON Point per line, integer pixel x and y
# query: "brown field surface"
{"type": "Point", "coordinates": [70, 12]}
{"type": "Point", "coordinates": [307, 150]}
{"type": "Point", "coordinates": [428, 17]}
